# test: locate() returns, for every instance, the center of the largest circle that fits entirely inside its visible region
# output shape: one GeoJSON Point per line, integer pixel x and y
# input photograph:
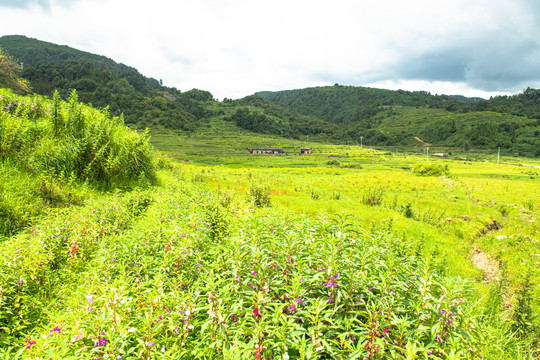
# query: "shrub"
{"type": "Point", "coordinates": [431, 170]}
{"type": "Point", "coordinates": [259, 195]}
{"type": "Point", "coordinates": [64, 138]}
{"type": "Point", "coordinates": [407, 211]}
{"type": "Point", "coordinates": [333, 163]}
{"type": "Point", "coordinates": [373, 196]}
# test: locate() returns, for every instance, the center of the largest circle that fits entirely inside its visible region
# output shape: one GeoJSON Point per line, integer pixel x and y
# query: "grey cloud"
{"type": "Point", "coordinates": [499, 62]}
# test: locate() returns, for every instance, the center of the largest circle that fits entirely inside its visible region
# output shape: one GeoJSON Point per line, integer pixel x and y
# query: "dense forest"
{"type": "Point", "coordinates": [375, 117]}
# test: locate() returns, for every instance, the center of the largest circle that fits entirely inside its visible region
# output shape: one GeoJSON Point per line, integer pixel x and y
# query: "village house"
{"type": "Point", "coordinates": [305, 151]}
{"type": "Point", "coordinates": [264, 150]}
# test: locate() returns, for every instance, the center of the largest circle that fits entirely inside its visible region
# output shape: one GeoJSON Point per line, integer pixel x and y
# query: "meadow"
{"type": "Point", "coordinates": [111, 251]}
{"type": "Point", "coordinates": [478, 206]}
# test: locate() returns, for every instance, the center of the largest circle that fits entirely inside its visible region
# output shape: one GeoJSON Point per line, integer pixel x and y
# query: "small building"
{"type": "Point", "coordinates": [305, 151]}
{"type": "Point", "coordinates": [265, 150]}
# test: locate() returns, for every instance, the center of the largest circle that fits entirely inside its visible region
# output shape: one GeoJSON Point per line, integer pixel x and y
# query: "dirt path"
{"type": "Point", "coordinates": [488, 265]}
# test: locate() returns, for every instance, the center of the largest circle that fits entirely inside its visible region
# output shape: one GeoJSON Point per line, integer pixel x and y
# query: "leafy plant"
{"type": "Point", "coordinates": [373, 196]}
{"type": "Point", "coordinates": [259, 195]}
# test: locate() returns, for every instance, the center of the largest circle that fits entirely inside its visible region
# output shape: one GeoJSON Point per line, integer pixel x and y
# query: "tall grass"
{"type": "Point", "coordinates": [67, 138]}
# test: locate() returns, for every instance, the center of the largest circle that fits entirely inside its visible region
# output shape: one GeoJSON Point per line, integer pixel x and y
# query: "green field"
{"type": "Point", "coordinates": [203, 251]}
{"type": "Point", "coordinates": [452, 214]}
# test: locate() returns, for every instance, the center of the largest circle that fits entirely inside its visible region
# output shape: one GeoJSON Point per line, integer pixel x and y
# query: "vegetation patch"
{"type": "Point", "coordinates": [431, 170]}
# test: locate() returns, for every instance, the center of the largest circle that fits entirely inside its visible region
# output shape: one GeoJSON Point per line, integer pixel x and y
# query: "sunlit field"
{"type": "Point", "coordinates": [479, 206]}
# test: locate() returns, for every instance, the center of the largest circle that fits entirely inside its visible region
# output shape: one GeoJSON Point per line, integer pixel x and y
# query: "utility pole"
{"type": "Point", "coordinates": [361, 141]}
{"type": "Point", "coordinates": [22, 64]}
{"type": "Point", "coordinates": [427, 153]}
{"type": "Point", "coordinates": [498, 154]}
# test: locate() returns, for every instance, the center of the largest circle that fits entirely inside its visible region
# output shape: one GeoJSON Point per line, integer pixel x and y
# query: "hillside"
{"type": "Point", "coordinates": [338, 114]}
{"type": "Point", "coordinates": [103, 82]}
{"type": "Point", "coordinates": [384, 117]}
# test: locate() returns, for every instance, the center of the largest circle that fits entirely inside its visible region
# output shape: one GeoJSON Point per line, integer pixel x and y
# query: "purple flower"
{"type": "Point", "coordinates": [442, 311]}
{"type": "Point", "coordinates": [254, 273]}
{"type": "Point", "coordinates": [58, 329]}
{"type": "Point", "coordinates": [292, 309]}
{"type": "Point", "coordinates": [101, 342]}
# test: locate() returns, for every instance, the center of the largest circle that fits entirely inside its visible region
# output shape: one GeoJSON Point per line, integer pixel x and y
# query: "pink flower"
{"type": "Point", "coordinates": [256, 314]}
{"type": "Point", "coordinates": [29, 343]}
{"type": "Point", "coordinates": [78, 337]}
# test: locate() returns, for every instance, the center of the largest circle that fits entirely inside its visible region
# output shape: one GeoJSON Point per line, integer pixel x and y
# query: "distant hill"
{"type": "Point", "coordinates": [393, 118]}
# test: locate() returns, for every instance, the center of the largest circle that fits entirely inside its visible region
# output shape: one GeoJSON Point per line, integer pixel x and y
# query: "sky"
{"type": "Point", "coordinates": [234, 48]}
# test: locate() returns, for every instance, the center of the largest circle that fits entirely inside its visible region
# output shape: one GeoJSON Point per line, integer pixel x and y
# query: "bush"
{"type": "Point", "coordinates": [373, 196]}
{"type": "Point", "coordinates": [333, 163]}
{"type": "Point", "coordinates": [431, 170]}
{"type": "Point", "coordinates": [259, 195]}
{"type": "Point", "coordinates": [69, 138]}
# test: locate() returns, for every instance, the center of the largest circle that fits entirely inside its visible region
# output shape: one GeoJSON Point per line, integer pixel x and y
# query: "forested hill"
{"type": "Point", "coordinates": [103, 82]}
{"type": "Point", "coordinates": [343, 104]}
{"type": "Point", "coordinates": [335, 113]}
{"type": "Point", "coordinates": [386, 117]}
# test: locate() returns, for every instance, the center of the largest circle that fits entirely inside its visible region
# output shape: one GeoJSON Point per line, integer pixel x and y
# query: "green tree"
{"type": "Point", "coordinates": [9, 74]}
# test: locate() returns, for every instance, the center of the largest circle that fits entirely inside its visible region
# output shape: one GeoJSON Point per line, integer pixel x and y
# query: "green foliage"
{"type": "Point", "coordinates": [338, 113]}
{"type": "Point", "coordinates": [104, 83]}
{"type": "Point", "coordinates": [333, 163]}
{"type": "Point", "coordinates": [147, 274]}
{"type": "Point", "coordinates": [373, 196]}
{"type": "Point", "coordinates": [9, 74]}
{"type": "Point", "coordinates": [259, 195]}
{"type": "Point", "coordinates": [70, 139]}
{"type": "Point", "coordinates": [384, 117]}
{"type": "Point", "coordinates": [430, 170]}
{"type": "Point", "coordinates": [407, 210]}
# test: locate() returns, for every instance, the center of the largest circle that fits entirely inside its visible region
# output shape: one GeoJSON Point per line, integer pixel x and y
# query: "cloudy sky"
{"type": "Point", "coordinates": [236, 47]}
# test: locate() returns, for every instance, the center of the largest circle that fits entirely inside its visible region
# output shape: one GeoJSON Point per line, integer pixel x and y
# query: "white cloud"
{"type": "Point", "coordinates": [233, 48]}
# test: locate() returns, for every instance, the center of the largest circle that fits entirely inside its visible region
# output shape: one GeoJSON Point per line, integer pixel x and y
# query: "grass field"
{"type": "Point", "coordinates": [481, 208]}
